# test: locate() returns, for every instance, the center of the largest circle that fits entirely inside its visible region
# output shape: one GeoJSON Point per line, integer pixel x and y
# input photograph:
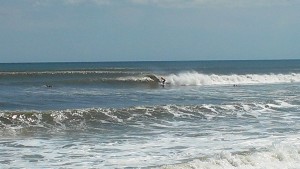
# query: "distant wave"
{"type": "Point", "coordinates": [199, 79]}
{"type": "Point", "coordinates": [116, 76]}
{"type": "Point", "coordinates": [71, 72]}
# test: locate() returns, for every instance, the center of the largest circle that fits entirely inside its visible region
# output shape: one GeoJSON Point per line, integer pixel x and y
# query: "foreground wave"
{"type": "Point", "coordinates": [95, 118]}
{"type": "Point", "coordinates": [277, 156]}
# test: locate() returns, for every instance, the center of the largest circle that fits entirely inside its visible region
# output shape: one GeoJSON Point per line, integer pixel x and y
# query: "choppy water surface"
{"type": "Point", "coordinates": [216, 114]}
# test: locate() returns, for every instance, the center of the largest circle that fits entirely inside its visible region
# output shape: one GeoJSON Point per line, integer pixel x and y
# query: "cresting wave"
{"type": "Point", "coordinates": [199, 79]}
{"type": "Point", "coordinates": [95, 118]}
{"type": "Point", "coordinates": [189, 78]}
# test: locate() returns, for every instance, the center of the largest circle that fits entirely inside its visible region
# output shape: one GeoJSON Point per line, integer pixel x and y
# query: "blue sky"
{"type": "Point", "coordinates": [143, 30]}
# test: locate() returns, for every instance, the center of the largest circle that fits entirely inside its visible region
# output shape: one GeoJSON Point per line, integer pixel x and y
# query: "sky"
{"type": "Point", "coordinates": [148, 30]}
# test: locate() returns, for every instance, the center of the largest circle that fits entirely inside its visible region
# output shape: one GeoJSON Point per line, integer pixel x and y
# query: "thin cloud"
{"type": "Point", "coordinates": [99, 2]}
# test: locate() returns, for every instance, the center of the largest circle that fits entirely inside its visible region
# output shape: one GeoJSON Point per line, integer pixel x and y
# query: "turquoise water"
{"type": "Point", "coordinates": [209, 114]}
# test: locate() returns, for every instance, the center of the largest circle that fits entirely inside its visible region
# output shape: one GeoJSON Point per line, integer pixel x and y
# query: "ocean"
{"type": "Point", "coordinates": [208, 114]}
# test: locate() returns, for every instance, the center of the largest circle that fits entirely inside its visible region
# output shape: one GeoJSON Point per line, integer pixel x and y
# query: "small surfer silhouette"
{"type": "Point", "coordinates": [49, 86]}
{"type": "Point", "coordinates": [162, 80]}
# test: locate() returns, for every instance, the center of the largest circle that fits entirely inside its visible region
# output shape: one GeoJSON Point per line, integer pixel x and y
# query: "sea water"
{"type": "Point", "coordinates": [208, 114]}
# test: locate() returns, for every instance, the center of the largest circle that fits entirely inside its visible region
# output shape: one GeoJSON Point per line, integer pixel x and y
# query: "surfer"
{"type": "Point", "coordinates": [162, 80]}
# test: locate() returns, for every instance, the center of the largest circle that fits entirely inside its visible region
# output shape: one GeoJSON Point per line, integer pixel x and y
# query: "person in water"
{"type": "Point", "coordinates": [163, 80]}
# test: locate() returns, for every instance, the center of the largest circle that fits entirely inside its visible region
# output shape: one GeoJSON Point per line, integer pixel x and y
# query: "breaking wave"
{"type": "Point", "coordinates": [198, 79]}
{"type": "Point", "coordinates": [120, 77]}
{"type": "Point", "coordinates": [95, 118]}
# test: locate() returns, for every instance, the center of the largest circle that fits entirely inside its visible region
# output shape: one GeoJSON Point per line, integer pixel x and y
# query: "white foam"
{"type": "Point", "coordinates": [197, 79]}
{"type": "Point", "coordinates": [277, 157]}
{"type": "Point", "coordinates": [283, 103]}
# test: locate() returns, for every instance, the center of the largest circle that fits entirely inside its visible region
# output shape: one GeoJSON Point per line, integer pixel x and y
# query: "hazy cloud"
{"type": "Point", "coordinates": [99, 2]}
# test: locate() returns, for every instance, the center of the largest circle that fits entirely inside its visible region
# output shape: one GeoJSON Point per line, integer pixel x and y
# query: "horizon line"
{"type": "Point", "coordinates": [124, 61]}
